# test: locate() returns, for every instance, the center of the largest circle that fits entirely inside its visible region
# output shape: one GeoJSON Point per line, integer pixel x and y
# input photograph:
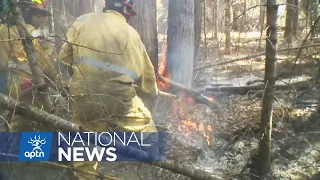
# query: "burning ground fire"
{"type": "Point", "coordinates": [162, 70]}
{"type": "Point", "coordinates": [201, 128]}
{"type": "Point", "coordinates": [187, 126]}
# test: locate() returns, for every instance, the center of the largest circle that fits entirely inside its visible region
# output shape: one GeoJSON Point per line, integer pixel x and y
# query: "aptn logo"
{"type": "Point", "coordinates": [37, 150]}
{"type": "Point", "coordinates": [35, 146]}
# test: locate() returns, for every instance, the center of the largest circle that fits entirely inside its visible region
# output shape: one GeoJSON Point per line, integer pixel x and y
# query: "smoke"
{"type": "Point", "coordinates": [181, 41]}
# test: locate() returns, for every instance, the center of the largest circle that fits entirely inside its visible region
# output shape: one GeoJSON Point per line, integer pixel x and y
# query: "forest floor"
{"type": "Point", "coordinates": [295, 138]}
{"type": "Point", "coordinates": [222, 141]}
{"type": "Point", "coordinates": [235, 124]}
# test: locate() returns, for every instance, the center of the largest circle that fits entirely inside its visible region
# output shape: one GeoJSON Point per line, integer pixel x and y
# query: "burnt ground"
{"type": "Point", "coordinates": [296, 143]}
{"type": "Point", "coordinates": [235, 123]}
{"type": "Point", "coordinates": [234, 134]}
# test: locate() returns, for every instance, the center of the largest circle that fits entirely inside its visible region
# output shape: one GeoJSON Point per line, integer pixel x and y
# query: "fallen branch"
{"type": "Point", "coordinates": [55, 165]}
{"type": "Point", "coordinates": [62, 166]}
{"type": "Point", "coordinates": [41, 116]}
{"type": "Point", "coordinates": [165, 94]}
{"type": "Point", "coordinates": [242, 90]}
{"type": "Point", "coordinates": [184, 170]}
{"type": "Point", "coordinates": [196, 95]}
{"type": "Point", "coordinates": [252, 56]}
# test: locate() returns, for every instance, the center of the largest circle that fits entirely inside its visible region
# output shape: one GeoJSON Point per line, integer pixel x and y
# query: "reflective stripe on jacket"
{"type": "Point", "coordinates": [103, 47]}
{"type": "Point", "coordinates": [107, 66]}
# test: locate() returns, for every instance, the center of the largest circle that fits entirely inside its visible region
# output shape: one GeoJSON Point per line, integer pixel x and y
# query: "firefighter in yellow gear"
{"type": "Point", "coordinates": [109, 61]}
{"type": "Point", "coordinates": [16, 81]}
{"type": "Point", "coordinates": [15, 74]}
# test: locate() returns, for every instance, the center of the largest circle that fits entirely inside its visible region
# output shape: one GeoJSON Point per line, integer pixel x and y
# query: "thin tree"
{"type": "Point", "coordinates": [216, 18]}
{"type": "Point", "coordinates": [217, 23]}
{"type": "Point", "coordinates": [313, 16]}
{"type": "Point", "coordinates": [263, 155]}
{"type": "Point", "coordinates": [59, 14]}
{"type": "Point", "coordinates": [228, 28]}
{"type": "Point", "coordinates": [295, 17]}
{"type": "Point", "coordinates": [146, 24]}
{"type": "Point", "coordinates": [306, 7]}
{"type": "Point", "coordinates": [262, 17]}
{"type": "Point", "coordinates": [2, 14]}
{"type": "Point", "coordinates": [289, 22]}
{"type": "Point", "coordinates": [204, 29]}
{"type": "Point", "coordinates": [310, 9]}
{"type": "Point", "coordinates": [197, 28]}
{"type": "Point", "coordinates": [84, 7]}
{"type": "Point", "coordinates": [317, 82]}
{"type": "Point", "coordinates": [181, 41]}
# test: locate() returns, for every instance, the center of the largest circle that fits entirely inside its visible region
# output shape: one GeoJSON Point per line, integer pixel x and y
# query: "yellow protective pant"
{"type": "Point", "coordinates": [112, 111]}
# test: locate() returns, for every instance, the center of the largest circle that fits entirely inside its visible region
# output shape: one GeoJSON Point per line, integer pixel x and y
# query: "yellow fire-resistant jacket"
{"type": "Point", "coordinates": [14, 67]}
{"type": "Point", "coordinates": [103, 47]}
{"type": "Point", "coordinates": [107, 56]}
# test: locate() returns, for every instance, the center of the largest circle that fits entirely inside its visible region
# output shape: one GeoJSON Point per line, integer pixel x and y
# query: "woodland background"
{"type": "Point", "coordinates": [257, 60]}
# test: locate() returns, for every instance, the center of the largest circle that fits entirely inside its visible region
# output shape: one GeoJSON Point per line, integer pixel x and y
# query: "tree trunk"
{"type": "Point", "coordinates": [306, 7]}
{"type": "Point", "coordinates": [84, 7]}
{"type": "Point", "coordinates": [313, 16]}
{"type": "Point", "coordinates": [212, 21]}
{"type": "Point", "coordinates": [204, 29]}
{"type": "Point", "coordinates": [318, 86]}
{"type": "Point", "coordinates": [2, 14]}
{"type": "Point", "coordinates": [1, 5]}
{"type": "Point", "coordinates": [245, 10]}
{"type": "Point", "coordinates": [181, 41]}
{"type": "Point", "coordinates": [37, 76]}
{"type": "Point", "coordinates": [71, 8]}
{"type": "Point", "coordinates": [263, 155]}
{"type": "Point", "coordinates": [228, 29]}
{"type": "Point", "coordinates": [197, 28]}
{"type": "Point", "coordinates": [216, 19]}
{"type": "Point", "coordinates": [60, 29]}
{"type": "Point", "coordinates": [289, 22]}
{"type": "Point", "coordinates": [146, 24]}
{"type": "Point", "coordinates": [295, 17]}
{"type": "Point", "coordinates": [261, 20]}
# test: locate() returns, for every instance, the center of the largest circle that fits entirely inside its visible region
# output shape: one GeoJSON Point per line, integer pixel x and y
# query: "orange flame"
{"type": "Point", "coordinates": [208, 139]}
{"type": "Point", "coordinates": [179, 108]}
{"type": "Point", "coordinates": [201, 127]}
{"type": "Point", "coordinates": [162, 69]}
{"type": "Point", "coordinates": [211, 98]}
{"type": "Point", "coordinates": [191, 124]}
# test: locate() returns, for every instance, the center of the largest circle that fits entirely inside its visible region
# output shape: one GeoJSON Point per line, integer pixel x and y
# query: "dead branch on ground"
{"type": "Point", "coordinates": [242, 90]}
{"type": "Point", "coordinates": [41, 116]}
{"type": "Point", "coordinates": [55, 165]}
{"type": "Point", "coordinates": [252, 56]}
